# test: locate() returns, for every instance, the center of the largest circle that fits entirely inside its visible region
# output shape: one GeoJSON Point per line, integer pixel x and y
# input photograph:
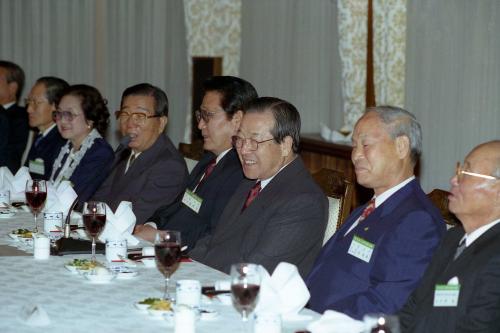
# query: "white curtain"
{"type": "Point", "coordinates": [290, 51]}
{"type": "Point", "coordinates": [110, 44]}
{"type": "Point", "coordinates": [453, 80]}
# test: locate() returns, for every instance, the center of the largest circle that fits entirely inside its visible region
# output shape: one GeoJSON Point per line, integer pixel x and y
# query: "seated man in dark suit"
{"type": "Point", "coordinates": [278, 215]}
{"type": "Point", "coordinates": [377, 257]}
{"type": "Point", "coordinates": [215, 178]}
{"type": "Point", "coordinates": [149, 170]}
{"type": "Point", "coordinates": [41, 102]}
{"type": "Point", "coordinates": [4, 137]}
{"type": "Point", "coordinates": [460, 290]}
{"type": "Point", "coordinates": [11, 87]}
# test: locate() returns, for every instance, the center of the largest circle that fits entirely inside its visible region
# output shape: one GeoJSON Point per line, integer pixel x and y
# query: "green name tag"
{"type": "Point", "coordinates": [361, 248]}
{"type": "Point", "coordinates": [191, 200]}
{"type": "Point", "coordinates": [446, 295]}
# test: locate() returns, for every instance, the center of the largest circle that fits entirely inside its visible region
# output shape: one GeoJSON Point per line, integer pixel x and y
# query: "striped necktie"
{"type": "Point", "coordinates": [368, 210]}
{"type": "Point", "coordinates": [252, 194]}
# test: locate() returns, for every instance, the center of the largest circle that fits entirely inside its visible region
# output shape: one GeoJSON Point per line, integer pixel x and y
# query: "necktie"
{"type": "Point", "coordinates": [252, 194]}
{"type": "Point", "coordinates": [210, 168]}
{"type": "Point", "coordinates": [368, 210]}
{"type": "Point", "coordinates": [130, 161]}
{"type": "Point", "coordinates": [38, 138]}
{"type": "Point", "coordinates": [461, 247]}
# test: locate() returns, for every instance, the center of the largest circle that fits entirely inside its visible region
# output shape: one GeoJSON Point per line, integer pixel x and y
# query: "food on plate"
{"type": "Point", "coordinates": [161, 304]}
{"type": "Point", "coordinates": [25, 233]}
{"type": "Point", "coordinates": [83, 264]}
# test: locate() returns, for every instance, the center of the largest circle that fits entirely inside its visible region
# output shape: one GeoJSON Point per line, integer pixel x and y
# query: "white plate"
{"type": "Point", "coordinates": [71, 268]}
{"type": "Point", "coordinates": [102, 278]}
{"type": "Point", "coordinates": [14, 236]}
{"type": "Point", "coordinates": [127, 275]}
{"type": "Point", "coordinates": [141, 307]}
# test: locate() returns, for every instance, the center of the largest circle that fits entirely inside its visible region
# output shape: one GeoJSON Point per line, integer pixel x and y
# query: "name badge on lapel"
{"type": "Point", "coordinates": [446, 295]}
{"type": "Point", "coordinates": [37, 166]}
{"type": "Point", "coordinates": [361, 248]}
{"type": "Point", "coordinates": [191, 200]}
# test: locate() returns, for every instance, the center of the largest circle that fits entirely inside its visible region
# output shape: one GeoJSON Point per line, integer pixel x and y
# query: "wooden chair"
{"type": "Point", "coordinates": [340, 195]}
{"type": "Point", "coordinates": [440, 199]}
{"type": "Point", "coordinates": [192, 153]}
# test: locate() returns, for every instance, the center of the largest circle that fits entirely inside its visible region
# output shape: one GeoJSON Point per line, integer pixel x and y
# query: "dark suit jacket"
{"type": "Point", "coordinates": [92, 170]}
{"type": "Point", "coordinates": [18, 135]}
{"type": "Point", "coordinates": [158, 176]}
{"type": "Point", "coordinates": [215, 191]}
{"type": "Point", "coordinates": [478, 272]}
{"type": "Point", "coordinates": [4, 137]}
{"type": "Point", "coordinates": [46, 149]}
{"type": "Point", "coordinates": [285, 222]}
{"type": "Point", "coordinates": [405, 230]}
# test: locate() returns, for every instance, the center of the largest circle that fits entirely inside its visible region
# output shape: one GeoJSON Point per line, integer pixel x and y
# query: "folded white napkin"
{"type": "Point", "coordinates": [15, 184]}
{"type": "Point", "coordinates": [335, 136]}
{"type": "Point", "coordinates": [120, 224]}
{"type": "Point", "coordinates": [34, 315]}
{"type": "Point", "coordinates": [337, 322]}
{"type": "Point", "coordinates": [284, 292]}
{"type": "Point", "coordinates": [60, 198]}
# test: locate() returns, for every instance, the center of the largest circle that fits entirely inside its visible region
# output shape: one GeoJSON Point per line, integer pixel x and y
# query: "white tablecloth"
{"type": "Point", "coordinates": [74, 304]}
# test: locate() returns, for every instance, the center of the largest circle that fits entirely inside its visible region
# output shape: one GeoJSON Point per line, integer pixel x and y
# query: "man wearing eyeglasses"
{"type": "Point", "coordinates": [41, 102]}
{"type": "Point", "coordinates": [11, 87]}
{"type": "Point", "coordinates": [148, 170]}
{"type": "Point", "coordinates": [217, 175]}
{"type": "Point", "coordinates": [279, 213]}
{"type": "Point", "coordinates": [460, 290]}
{"type": "Point", "coordinates": [377, 257]}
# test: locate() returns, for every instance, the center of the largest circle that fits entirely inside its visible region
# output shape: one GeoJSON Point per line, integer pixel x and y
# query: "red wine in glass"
{"type": "Point", "coordinates": [168, 254]}
{"type": "Point", "coordinates": [94, 223]}
{"type": "Point", "coordinates": [36, 199]}
{"type": "Point", "coordinates": [245, 296]}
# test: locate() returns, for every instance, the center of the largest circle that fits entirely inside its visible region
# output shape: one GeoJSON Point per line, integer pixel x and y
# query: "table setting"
{"type": "Point", "coordinates": [130, 285]}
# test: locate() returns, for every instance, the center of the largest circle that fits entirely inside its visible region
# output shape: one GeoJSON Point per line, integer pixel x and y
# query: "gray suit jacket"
{"type": "Point", "coordinates": [157, 177]}
{"type": "Point", "coordinates": [285, 222]}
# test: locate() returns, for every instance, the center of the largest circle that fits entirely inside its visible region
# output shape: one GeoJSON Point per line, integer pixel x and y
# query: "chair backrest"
{"type": "Point", "coordinates": [440, 199]}
{"type": "Point", "coordinates": [339, 191]}
{"type": "Point", "coordinates": [192, 151]}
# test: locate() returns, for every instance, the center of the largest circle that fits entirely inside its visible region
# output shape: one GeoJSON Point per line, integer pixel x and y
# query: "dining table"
{"type": "Point", "coordinates": [74, 304]}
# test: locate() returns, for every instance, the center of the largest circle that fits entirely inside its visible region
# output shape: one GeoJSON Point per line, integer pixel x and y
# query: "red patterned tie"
{"type": "Point", "coordinates": [368, 210]}
{"type": "Point", "coordinates": [210, 168]}
{"type": "Point", "coordinates": [252, 194]}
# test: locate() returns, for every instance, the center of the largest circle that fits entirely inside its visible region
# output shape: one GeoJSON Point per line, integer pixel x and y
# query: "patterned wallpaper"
{"type": "Point", "coordinates": [214, 29]}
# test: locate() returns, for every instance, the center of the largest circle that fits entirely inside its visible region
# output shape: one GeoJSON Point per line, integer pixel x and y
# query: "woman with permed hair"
{"type": "Point", "coordinates": [82, 118]}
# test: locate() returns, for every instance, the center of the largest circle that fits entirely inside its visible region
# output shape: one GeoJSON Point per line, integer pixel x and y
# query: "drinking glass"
{"type": "Point", "coordinates": [245, 286]}
{"type": "Point", "coordinates": [94, 218]}
{"type": "Point", "coordinates": [36, 194]}
{"type": "Point", "coordinates": [382, 323]}
{"type": "Point", "coordinates": [167, 253]}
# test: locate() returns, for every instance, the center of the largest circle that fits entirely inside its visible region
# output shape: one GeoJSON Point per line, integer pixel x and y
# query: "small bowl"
{"type": "Point", "coordinates": [71, 268]}
{"type": "Point", "coordinates": [158, 314]}
{"type": "Point", "coordinates": [14, 236]}
{"type": "Point", "coordinates": [94, 278]}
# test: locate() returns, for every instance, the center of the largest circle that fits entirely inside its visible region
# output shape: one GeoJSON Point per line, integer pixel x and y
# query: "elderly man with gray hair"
{"type": "Point", "coordinates": [377, 257]}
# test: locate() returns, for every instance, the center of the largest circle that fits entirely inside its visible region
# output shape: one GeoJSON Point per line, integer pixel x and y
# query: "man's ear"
{"type": "Point", "coordinates": [403, 146]}
{"type": "Point", "coordinates": [236, 120]}
{"type": "Point", "coordinates": [13, 87]}
{"type": "Point", "coordinates": [286, 146]}
{"type": "Point", "coordinates": [163, 123]}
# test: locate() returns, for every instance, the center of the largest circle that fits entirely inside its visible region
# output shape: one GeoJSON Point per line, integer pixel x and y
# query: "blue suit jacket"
{"type": "Point", "coordinates": [215, 191]}
{"type": "Point", "coordinates": [46, 149]}
{"type": "Point", "coordinates": [92, 170]}
{"type": "Point", "coordinates": [405, 230]}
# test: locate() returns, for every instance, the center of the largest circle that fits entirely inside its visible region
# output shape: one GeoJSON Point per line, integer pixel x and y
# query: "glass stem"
{"type": "Point", "coordinates": [93, 249]}
{"type": "Point", "coordinates": [36, 225]}
{"type": "Point", "coordinates": [166, 295]}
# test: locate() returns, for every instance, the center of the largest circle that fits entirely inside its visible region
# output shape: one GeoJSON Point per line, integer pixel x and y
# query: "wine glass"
{"type": "Point", "coordinates": [167, 253]}
{"type": "Point", "coordinates": [245, 286]}
{"type": "Point", "coordinates": [36, 194]}
{"type": "Point", "coordinates": [382, 323]}
{"type": "Point", "coordinates": [94, 218]}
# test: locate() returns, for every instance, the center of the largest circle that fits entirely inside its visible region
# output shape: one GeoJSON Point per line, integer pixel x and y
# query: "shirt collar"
{"type": "Point", "coordinates": [379, 199]}
{"type": "Point", "coordinates": [221, 155]}
{"type": "Point", "coordinates": [8, 105]}
{"type": "Point", "coordinates": [47, 131]}
{"type": "Point", "coordinates": [264, 182]}
{"type": "Point", "coordinates": [470, 238]}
